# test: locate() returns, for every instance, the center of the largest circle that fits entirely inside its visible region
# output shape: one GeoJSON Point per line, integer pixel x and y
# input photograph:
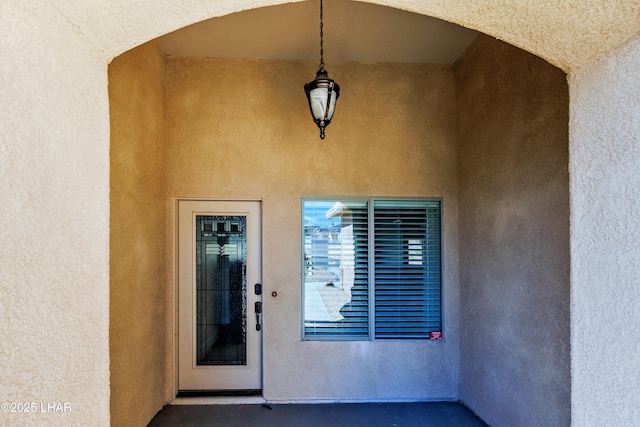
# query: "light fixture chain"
{"type": "Point", "coordinates": [321, 39]}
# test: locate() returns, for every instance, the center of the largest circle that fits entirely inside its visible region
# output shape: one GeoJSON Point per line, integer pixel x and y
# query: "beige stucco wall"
{"type": "Point", "coordinates": [54, 219]}
{"type": "Point", "coordinates": [513, 120]}
{"type": "Point", "coordinates": [54, 164]}
{"type": "Point", "coordinates": [569, 34]}
{"type": "Point", "coordinates": [140, 306]}
{"type": "Point", "coordinates": [605, 235]}
{"type": "Point", "coordinates": [242, 129]}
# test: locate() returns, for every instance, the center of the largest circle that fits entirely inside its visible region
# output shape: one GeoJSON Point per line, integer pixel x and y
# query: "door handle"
{"type": "Point", "coordinates": [258, 309]}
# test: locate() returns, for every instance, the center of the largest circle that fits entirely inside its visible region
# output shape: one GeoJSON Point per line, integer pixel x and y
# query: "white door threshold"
{"type": "Point", "coordinates": [219, 400]}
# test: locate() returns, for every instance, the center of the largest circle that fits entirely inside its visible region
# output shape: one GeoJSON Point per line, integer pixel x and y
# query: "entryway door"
{"type": "Point", "coordinates": [219, 302]}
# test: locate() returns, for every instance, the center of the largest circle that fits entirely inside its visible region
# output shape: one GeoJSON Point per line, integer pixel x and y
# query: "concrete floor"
{"type": "Point", "coordinates": [441, 414]}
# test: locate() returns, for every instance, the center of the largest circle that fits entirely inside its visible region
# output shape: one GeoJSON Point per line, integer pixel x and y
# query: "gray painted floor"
{"type": "Point", "coordinates": [443, 414]}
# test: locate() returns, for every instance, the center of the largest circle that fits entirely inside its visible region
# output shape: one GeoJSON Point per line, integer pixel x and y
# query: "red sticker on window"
{"type": "Point", "coordinates": [435, 335]}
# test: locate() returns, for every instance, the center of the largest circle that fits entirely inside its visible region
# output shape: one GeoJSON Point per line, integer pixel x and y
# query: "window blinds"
{"type": "Point", "coordinates": [407, 277]}
{"type": "Point", "coordinates": [336, 269]}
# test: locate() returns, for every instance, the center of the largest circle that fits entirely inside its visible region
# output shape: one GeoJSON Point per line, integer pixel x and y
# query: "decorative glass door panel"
{"type": "Point", "coordinates": [221, 286]}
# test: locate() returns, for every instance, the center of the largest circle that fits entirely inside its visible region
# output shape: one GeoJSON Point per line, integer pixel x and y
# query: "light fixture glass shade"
{"type": "Point", "coordinates": [322, 94]}
{"type": "Point", "coordinates": [318, 103]}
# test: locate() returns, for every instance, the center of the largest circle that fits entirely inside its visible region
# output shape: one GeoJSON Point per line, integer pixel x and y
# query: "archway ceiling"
{"type": "Point", "coordinates": [567, 33]}
{"type": "Point", "coordinates": [353, 32]}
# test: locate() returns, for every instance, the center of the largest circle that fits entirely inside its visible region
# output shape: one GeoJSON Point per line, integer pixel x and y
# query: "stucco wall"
{"type": "Point", "coordinates": [514, 236]}
{"type": "Point", "coordinates": [242, 129]}
{"type": "Point", "coordinates": [605, 231]}
{"type": "Point", "coordinates": [54, 167]}
{"type": "Point", "coordinates": [569, 34]}
{"type": "Point", "coordinates": [140, 302]}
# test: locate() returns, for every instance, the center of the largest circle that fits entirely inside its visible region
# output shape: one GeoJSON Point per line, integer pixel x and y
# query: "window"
{"type": "Point", "coordinates": [372, 269]}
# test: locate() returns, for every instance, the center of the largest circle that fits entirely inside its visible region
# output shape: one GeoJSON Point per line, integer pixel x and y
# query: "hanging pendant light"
{"type": "Point", "coordinates": [322, 93]}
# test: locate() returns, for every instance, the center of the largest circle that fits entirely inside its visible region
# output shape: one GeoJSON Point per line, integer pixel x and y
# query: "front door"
{"type": "Point", "coordinates": [219, 265]}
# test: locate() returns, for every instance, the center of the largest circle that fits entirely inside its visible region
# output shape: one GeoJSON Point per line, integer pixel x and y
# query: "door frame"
{"type": "Point", "coordinates": [175, 281]}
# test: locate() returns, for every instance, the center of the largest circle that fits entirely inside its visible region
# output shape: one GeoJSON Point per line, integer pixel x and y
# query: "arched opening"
{"type": "Point", "coordinates": [489, 136]}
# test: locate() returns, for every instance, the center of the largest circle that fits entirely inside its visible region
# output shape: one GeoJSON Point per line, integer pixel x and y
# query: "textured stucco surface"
{"type": "Point", "coordinates": [140, 300]}
{"type": "Point", "coordinates": [54, 172]}
{"type": "Point", "coordinates": [513, 114]}
{"type": "Point", "coordinates": [605, 231]}
{"type": "Point", "coordinates": [223, 145]}
{"type": "Point", "coordinates": [569, 34]}
{"type": "Point", "coordinates": [54, 164]}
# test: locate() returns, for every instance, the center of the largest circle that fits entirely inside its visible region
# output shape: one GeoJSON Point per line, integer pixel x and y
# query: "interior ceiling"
{"type": "Point", "coordinates": [353, 32]}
